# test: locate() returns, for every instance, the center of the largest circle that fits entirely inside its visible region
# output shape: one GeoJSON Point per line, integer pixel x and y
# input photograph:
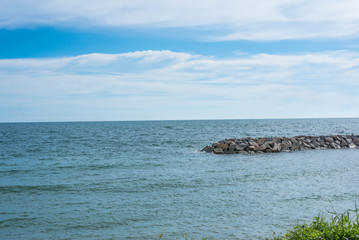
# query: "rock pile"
{"type": "Point", "coordinates": [282, 144]}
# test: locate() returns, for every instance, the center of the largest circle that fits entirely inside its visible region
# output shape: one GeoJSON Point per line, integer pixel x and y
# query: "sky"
{"type": "Point", "coordinates": [118, 60]}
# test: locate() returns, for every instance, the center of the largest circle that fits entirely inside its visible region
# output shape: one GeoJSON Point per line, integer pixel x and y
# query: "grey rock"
{"type": "Point", "coordinates": [224, 146]}
{"type": "Point", "coordinates": [356, 140]}
{"type": "Point", "coordinates": [229, 152]}
{"type": "Point", "coordinates": [312, 146]}
{"type": "Point", "coordinates": [251, 148]}
{"type": "Point", "coordinates": [329, 139]}
{"type": "Point", "coordinates": [208, 149]}
{"type": "Point", "coordinates": [352, 145]}
{"type": "Point", "coordinates": [343, 144]}
{"type": "Point", "coordinates": [296, 145]}
{"type": "Point", "coordinates": [232, 146]}
{"type": "Point", "coordinates": [306, 145]}
{"type": "Point", "coordinates": [271, 144]}
{"type": "Point", "coordinates": [241, 146]}
{"type": "Point", "coordinates": [334, 145]}
{"type": "Point", "coordinates": [276, 147]}
{"type": "Point", "coordinates": [268, 150]}
{"type": "Point", "coordinates": [262, 147]}
{"type": "Point", "coordinates": [285, 146]}
{"type": "Point", "coordinates": [322, 143]}
{"type": "Point", "coordinates": [261, 141]}
{"type": "Point", "coordinates": [280, 144]}
{"type": "Point", "coordinates": [218, 150]}
{"type": "Point", "coordinates": [252, 143]}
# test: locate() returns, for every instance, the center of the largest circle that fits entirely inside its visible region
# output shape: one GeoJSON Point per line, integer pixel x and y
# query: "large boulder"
{"type": "Point", "coordinates": [251, 148]}
{"type": "Point", "coordinates": [241, 146]}
{"type": "Point", "coordinates": [262, 147]}
{"type": "Point", "coordinates": [218, 150]}
{"type": "Point", "coordinates": [232, 146]}
{"type": "Point", "coordinates": [285, 146]}
{"type": "Point", "coordinates": [224, 146]}
{"type": "Point", "coordinates": [329, 139]}
{"type": "Point", "coordinates": [352, 145]}
{"type": "Point", "coordinates": [306, 145]}
{"type": "Point", "coordinates": [208, 149]}
{"type": "Point", "coordinates": [343, 144]}
{"type": "Point", "coordinates": [356, 140]}
{"type": "Point", "coordinates": [296, 145]}
{"type": "Point", "coordinates": [276, 147]}
{"type": "Point", "coordinates": [334, 145]}
{"type": "Point", "coordinates": [261, 141]}
{"type": "Point", "coordinates": [253, 143]}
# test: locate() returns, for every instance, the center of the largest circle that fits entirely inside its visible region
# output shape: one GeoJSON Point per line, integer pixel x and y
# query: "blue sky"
{"type": "Point", "coordinates": [149, 60]}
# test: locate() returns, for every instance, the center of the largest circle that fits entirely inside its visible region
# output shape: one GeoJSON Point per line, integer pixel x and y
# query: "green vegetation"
{"type": "Point", "coordinates": [338, 227]}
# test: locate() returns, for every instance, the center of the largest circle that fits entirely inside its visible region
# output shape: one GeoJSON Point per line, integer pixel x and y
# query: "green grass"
{"type": "Point", "coordinates": [338, 227]}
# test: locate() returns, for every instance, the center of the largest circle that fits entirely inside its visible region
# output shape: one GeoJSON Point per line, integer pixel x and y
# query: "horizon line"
{"type": "Point", "coordinates": [160, 120]}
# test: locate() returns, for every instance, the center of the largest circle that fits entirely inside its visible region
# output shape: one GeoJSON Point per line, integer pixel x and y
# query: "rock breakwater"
{"type": "Point", "coordinates": [282, 144]}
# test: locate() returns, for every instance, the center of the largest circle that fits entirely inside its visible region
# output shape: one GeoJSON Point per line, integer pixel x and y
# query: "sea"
{"type": "Point", "coordinates": [149, 179]}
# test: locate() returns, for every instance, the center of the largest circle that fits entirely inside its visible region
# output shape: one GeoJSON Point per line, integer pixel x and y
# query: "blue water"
{"type": "Point", "coordinates": [137, 180]}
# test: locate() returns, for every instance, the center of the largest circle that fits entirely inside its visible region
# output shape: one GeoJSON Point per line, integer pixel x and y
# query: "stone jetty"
{"type": "Point", "coordinates": [282, 144]}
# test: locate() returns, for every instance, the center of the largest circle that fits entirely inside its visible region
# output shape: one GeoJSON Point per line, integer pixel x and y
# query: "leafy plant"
{"type": "Point", "coordinates": [343, 226]}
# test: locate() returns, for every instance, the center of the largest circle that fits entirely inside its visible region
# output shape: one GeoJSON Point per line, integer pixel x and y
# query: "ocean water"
{"type": "Point", "coordinates": [137, 180]}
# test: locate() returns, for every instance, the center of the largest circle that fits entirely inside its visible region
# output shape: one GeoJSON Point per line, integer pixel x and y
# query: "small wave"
{"type": "Point", "coordinates": [25, 221]}
{"type": "Point", "coordinates": [33, 150]}
{"type": "Point", "coordinates": [15, 171]}
{"type": "Point", "coordinates": [17, 155]}
{"type": "Point", "coordinates": [101, 166]}
{"type": "Point", "coordinates": [67, 167]}
{"type": "Point", "coordinates": [97, 226]}
{"type": "Point", "coordinates": [35, 188]}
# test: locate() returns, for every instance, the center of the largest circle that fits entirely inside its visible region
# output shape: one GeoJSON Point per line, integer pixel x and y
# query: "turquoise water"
{"type": "Point", "coordinates": [136, 180]}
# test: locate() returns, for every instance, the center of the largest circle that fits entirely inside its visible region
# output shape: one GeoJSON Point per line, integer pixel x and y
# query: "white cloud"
{"type": "Point", "coordinates": [219, 19]}
{"type": "Point", "coordinates": [171, 85]}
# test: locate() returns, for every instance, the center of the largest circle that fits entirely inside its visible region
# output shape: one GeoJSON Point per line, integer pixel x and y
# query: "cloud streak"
{"type": "Point", "coordinates": [175, 85]}
{"type": "Point", "coordinates": [218, 20]}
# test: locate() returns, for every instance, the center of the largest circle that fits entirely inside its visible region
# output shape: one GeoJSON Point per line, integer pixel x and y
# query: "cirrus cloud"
{"type": "Point", "coordinates": [217, 20]}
